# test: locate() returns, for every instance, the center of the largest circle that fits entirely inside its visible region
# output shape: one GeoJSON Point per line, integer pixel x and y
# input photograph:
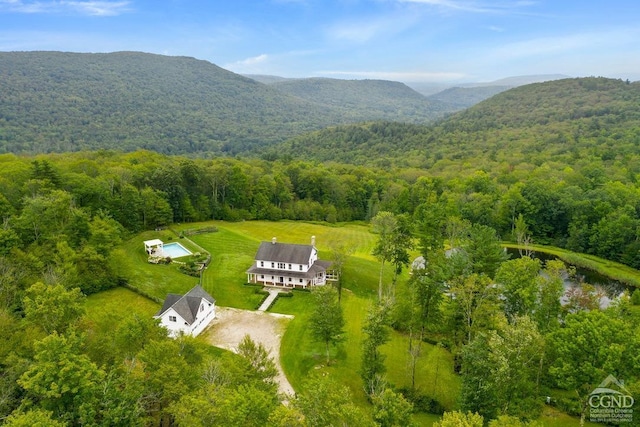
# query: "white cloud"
{"type": "Point", "coordinates": [474, 6]}
{"type": "Point", "coordinates": [254, 60]}
{"type": "Point", "coordinates": [251, 65]}
{"type": "Point", "coordinates": [92, 8]}
{"type": "Point", "coordinates": [495, 29]}
{"type": "Point", "coordinates": [363, 30]}
{"type": "Point", "coordinates": [569, 43]}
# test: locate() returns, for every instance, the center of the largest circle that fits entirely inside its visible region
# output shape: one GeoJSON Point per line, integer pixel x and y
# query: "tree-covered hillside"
{"type": "Point", "coordinates": [57, 102]}
{"type": "Point", "coordinates": [563, 120]}
{"type": "Point", "coordinates": [384, 100]}
{"type": "Point", "coordinates": [52, 101]}
{"type": "Point", "coordinates": [460, 98]}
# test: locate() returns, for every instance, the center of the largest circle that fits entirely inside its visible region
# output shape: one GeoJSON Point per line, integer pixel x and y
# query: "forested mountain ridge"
{"type": "Point", "coordinates": [614, 101]}
{"type": "Point", "coordinates": [57, 102]}
{"type": "Point", "coordinates": [387, 100]}
{"type": "Point", "coordinates": [557, 120]}
{"type": "Point", "coordinates": [460, 98]}
{"type": "Point", "coordinates": [54, 101]}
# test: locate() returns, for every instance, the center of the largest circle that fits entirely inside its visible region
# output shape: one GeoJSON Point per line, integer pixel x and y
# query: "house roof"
{"type": "Point", "coordinates": [186, 305]}
{"type": "Point", "coordinates": [284, 252]}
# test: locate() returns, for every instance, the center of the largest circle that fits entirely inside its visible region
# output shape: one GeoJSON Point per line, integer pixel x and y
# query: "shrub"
{"type": "Point", "coordinates": [635, 297]}
{"type": "Point", "coordinates": [570, 405]}
{"type": "Point", "coordinates": [422, 402]}
{"type": "Point", "coordinates": [265, 295]}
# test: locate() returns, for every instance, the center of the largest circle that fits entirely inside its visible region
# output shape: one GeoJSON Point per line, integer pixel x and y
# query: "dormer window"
{"type": "Point", "coordinates": [172, 318]}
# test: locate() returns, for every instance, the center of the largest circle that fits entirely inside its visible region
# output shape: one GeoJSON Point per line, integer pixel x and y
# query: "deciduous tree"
{"type": "Point", "coordinates": [327, 321]}
{"type": "Point", "coordinates": [376, 334]}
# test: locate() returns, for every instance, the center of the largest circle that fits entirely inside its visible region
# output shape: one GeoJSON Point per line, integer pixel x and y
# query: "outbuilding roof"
{"type": "Point", "coordinates": [186, 305]}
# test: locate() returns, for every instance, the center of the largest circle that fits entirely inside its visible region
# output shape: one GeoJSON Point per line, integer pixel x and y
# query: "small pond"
{"type": "Point", "coordinates": [612, 288]}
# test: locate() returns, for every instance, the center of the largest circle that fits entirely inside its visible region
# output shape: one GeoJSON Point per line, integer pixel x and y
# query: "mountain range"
{"type": "Point", "coordinates": [55, 101]}
{"type": "Point", "coordinates": [61, 102]}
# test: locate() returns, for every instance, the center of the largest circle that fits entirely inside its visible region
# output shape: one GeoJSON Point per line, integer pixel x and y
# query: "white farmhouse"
{"type": "Point", "coordinates": [289, 265]}
{"type": "Point", "coordinates": [188, 314]}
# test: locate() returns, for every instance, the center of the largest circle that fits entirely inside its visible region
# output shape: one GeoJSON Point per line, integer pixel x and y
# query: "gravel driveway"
{"type": "Point", "coordinates": [232, 324]}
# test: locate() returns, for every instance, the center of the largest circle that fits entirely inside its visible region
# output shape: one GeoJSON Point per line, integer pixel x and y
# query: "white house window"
{"type": "Point", "coordinates": [261, 263]}
{"type": "Point", "coordinates": [272, 265]}
{"type": "Point", "coordinates": [289, 278]}
{"type": "Point", "coordinates": [262, 276]}
{"type": "Point", "coordinates": [202, 307]}
{"type": "Point", "coordinates": [300, 280]}
{"type": "Point", "coordinates": [300, 267]}
{"type": "Point", "coordinates": [281, 265]}
{"type": "Point", "coordinates": [289, 266]}
{"type": "Point", "coordinates": [172, 318]}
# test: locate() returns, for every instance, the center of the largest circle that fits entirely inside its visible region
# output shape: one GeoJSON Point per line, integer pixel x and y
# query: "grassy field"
{"type": "Point", "coordinates": [119, 303]}
{"type": "Point", "coordinates": [233, 248]}
{"type": "Point", "coordinates": [155, 279]}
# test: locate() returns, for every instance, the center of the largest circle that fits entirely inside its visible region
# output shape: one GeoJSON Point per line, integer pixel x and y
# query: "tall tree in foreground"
{"type": "Point", "coordinates": [384, 224]}
{"type": "Point", "coordinates": [340, 252]}
{"type": "Point", "coordinates": [589, 347]}
{"type": "Point", "coordinates": [401, 244]}
{"type": "Point", "coordinates": [394, 242]}
{"type": "Point", "coordinates": [327, 320]}
{"type": "Point", "coordinates": [550, 290]}
{"type": "Point", "coordinates": [63, 380]}
{"type": "Point", "coordinates": [325, 402]}
{"type": "Point", "coordinates": [500, 371]}
{"type": "Point", "coordinates": [475, 302]}
{"type": "Point", "coordinates": [460, 419]}
{"type": "Point", "coordinates": [391, 409]}
{"type": "Point", "coordinates": [484, 250]}
{"type": "Point", "coordinates": [52, 308]}
{"type": "Point", "coordinates": [376, 334]}
{"type": "Point", "coordinates": [518, 280]}
{"type": "Point", "coordinates": [258, 357]}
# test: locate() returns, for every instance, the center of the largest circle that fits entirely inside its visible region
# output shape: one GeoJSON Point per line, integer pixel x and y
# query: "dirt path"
{"type": "Point", "coordinates": [231, 325]}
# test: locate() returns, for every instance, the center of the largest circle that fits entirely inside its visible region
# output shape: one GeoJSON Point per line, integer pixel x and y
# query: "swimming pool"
{"type": "Point", "coordinates": [174, 250]}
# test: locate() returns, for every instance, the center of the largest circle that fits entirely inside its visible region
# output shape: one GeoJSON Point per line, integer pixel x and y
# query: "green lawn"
{"type": "Point", "coordinates": [233, 248]}
{"type": "Point", "coordinates": [155, 279]}
{"type": "Point", "coordinates": [119, 303]}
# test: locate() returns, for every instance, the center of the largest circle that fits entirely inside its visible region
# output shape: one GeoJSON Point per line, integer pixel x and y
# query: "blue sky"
{"type": "Point", "coordinates": [445, 41]}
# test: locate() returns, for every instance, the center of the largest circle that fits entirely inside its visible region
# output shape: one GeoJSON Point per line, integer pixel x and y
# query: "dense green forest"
{"type": "Point", "coordinates": [552, 163]}
{"type": "Point", "coordinates": [57, 102]}
{"type": "Point", "coordinates": [565, 121]}
{"type": "Point", "coordinates": [465, 97]}
{"type": "Point", "coordinates": [64, 215]}
{"type": "Point", "coordinates": [379, 98]}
